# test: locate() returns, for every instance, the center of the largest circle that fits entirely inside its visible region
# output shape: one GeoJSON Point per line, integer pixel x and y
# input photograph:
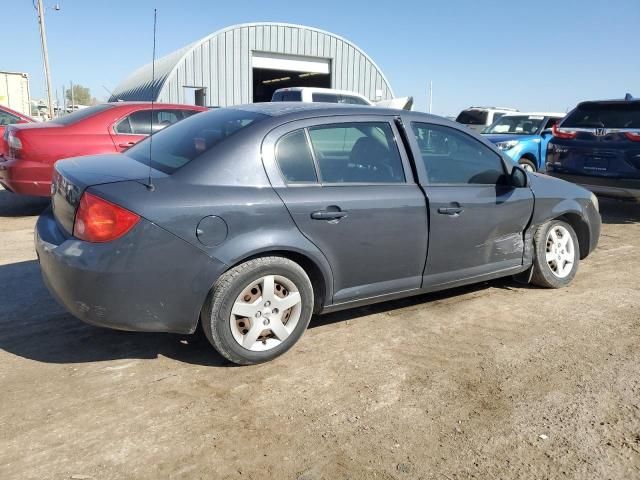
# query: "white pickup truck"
{"type": "Point", "coordinates": [329, 95]}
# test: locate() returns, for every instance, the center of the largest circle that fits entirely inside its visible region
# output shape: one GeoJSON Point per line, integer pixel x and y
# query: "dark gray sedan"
{"type": "Point", "coordinates": [250, 219]}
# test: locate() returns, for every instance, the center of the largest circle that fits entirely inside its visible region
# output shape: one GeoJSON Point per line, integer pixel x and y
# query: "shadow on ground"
{"type": "Point", "coordinates": [12, 205]}
{"type": "Point", "coordinates": [619, 212]}
{"type": "Point", "coordinates": [34, 326]}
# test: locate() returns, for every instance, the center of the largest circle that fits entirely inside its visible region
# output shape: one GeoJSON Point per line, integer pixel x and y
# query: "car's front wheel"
{"type": "Point", "coordinates": [258, 310]}
{"type": "Point", "coordinates": [557, 255]}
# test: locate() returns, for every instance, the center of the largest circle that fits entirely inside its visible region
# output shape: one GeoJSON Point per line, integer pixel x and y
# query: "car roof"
{"type": "Point", "coordinates": [304, 110]}
{"type": "Point", "coordinates": [505, 109]}
{"type": "Point", "coordinates": [614, 102]}
{"type": "Point", "coordinates": [276, 109]}
{"type": "Point", "coordinates": [155, 104]}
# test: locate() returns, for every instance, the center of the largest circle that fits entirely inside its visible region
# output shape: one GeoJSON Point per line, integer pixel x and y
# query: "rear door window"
{"type": "Point", "coordinates": [357, 153]}
{"type": "Point", "coordinates": [353, 100]}
{"type": "Point", "coordinates": [452, 157]}
{"type": "Point", "coordinates": [139, 123]}
{"type": "Point", "coordinates": [604, 115]}
{"type": "Point", "coordinates": [473, 117]}
{"type": "Point", "coordinates": [294, 96]}
{"type": "Point", "coordinates": [325, 97]}
{"type": "Point", "coordinates": [294, 158]}
{"type": "Point", "coordinates": [8, 119]}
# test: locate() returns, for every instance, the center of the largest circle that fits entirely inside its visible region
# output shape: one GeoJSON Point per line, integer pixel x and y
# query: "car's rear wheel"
{"type": "Point", "coordinates": [557, 255]}
{"type": "Point", "coordinates": [527, 165]}
{"type": "Point", "coordinates": [258, 310]}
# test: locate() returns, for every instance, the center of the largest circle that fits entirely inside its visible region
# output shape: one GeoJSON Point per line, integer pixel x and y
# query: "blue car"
{"type": "Point", "coordinates": [524, 137]}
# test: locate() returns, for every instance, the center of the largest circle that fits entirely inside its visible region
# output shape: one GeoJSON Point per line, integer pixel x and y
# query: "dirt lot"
{"type": "Point", "coordinates": [493, 381]}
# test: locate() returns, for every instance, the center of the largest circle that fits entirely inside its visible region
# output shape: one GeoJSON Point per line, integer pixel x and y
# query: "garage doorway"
{"type": "Point", "coordinates": [272, 71]}
{"type": "Point", "coordinates": [195, 95]}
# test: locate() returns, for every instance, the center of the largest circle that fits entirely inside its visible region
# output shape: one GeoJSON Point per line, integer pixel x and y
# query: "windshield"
{"type": "Point", "coordinates": [81, 114]}
{"type": "Point", "coordinates": [472, 117]}
{"type": "Point", "coordinates": [604, 115]}
{"type": "Point", "coordinates": [516, 125]}
{"type": "Point", "coordinates": [177, 145]}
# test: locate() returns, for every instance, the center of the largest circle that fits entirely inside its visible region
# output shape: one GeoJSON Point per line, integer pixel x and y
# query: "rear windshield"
{"type": "Point", "coordinates": [293, 96]}
{"type": "Point", "coordinates": [604, 115]}
{"type": "Point", "coordinates": [472, 117]}
{"type": "Point", "coordinates": [81, 114]}
{"type": "Point", "coordinates": [177, 145]}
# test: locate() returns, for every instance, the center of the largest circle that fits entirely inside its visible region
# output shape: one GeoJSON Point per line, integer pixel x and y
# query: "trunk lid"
{"type": "Point", "coordinates": [73, 176]}
{"type": "Point", "coordinates": [604, 154]}
{"type": "Point", "coordinates": [604, 142]}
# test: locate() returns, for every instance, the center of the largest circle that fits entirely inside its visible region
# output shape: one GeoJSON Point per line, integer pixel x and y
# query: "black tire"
{"type": "Point", "coordinates": [217, 309]}
{"type": "Point", "coordinates": [543, 275]}
{"type": "Point", "coordinates": [525, 162]}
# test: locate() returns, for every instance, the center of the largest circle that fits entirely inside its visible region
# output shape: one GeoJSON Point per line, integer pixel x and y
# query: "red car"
{"type": "Point", "coordinates": [10, 117]}
{"type": "Point", "coordinates": [105, 128]}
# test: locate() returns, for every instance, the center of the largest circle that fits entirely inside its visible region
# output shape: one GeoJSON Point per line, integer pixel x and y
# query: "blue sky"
{"type": "Point", "coordinates": [544, 55]}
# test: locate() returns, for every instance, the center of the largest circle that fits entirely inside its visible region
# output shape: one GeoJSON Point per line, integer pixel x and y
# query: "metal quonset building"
{"type": "Point", "coordinates": [246, 63]}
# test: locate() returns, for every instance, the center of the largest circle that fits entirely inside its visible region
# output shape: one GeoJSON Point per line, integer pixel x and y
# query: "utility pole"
{"type": "Point", "coordinates": [45, 56]}
{"type": "Point", "coordinates": [73, 102]}
{"type": "Point", "coordinates": [430, 96]}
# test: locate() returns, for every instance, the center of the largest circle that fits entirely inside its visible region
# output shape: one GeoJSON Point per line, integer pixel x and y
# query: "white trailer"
{"type": "Point", "coordinates": [14, 91]}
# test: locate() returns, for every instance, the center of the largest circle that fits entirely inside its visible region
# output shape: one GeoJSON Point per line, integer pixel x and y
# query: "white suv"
{"type": "Point", "coordinates": [329, 95]}
{"type": "Point", "coordinates": [477, 118]}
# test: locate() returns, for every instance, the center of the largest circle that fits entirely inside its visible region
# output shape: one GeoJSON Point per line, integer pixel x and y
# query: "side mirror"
{"type": "Point", "coordinates": [518, 177]}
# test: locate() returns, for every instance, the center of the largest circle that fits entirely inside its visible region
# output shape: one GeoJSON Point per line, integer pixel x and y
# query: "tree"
{"type": "Point", "coordinates": [81, 95]}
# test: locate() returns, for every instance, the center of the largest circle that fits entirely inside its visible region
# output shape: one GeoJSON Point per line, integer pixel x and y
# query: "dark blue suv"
{"type": "Point", "coordinates": [597, 145]}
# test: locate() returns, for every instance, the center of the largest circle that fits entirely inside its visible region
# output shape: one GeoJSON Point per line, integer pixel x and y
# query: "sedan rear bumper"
{"type": "Point", "coordinates": [607, 187]}
{"type": "Point", "coordinates": [26, 177]}
{"type": "Point", "coordinates": [148, 280]}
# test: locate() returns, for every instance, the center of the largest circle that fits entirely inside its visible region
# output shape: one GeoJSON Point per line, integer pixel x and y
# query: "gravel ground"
{"type": "Point", "coordinates": [491, 381]}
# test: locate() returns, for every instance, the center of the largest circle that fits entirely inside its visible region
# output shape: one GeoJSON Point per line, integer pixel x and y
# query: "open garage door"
{"type": "Point", "coordinates": [273, 71]}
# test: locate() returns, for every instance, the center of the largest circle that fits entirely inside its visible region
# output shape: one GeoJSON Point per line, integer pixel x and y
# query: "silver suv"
{"type": "Point", "coordinates": [478, 118]}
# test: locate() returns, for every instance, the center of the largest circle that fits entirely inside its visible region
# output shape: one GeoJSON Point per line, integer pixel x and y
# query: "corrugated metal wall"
{"type": "Point", "coordinates": [222, 64]}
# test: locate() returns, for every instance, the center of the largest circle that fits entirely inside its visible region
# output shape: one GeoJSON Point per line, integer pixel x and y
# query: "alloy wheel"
{"type": "Point", "coordinates": [265, 313]}
{"type": "Point", "coordinates": [560, 251]}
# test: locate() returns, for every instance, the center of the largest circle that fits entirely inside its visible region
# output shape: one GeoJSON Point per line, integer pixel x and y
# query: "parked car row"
{"type": "Point", "coordinates": [596, 145]}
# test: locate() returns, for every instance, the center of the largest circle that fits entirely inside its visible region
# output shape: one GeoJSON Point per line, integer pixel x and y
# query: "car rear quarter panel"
{"type": "Point", "coordinates": [254, 217]}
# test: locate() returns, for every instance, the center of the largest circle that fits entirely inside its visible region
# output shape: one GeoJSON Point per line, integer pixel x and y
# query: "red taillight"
{"type": "Point", "coordinates": [100, 221]}
{"type": "Point", "coordinates": [633, 136]}
{"type": "Point", "coordinates": [14, 143]}
{"type": "Point", "coordinates": [563, 132]}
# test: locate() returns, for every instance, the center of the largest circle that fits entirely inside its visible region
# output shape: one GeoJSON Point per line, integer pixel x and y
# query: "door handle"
{"type": "Point", "coordinates": [126, 145]}
{"type": "Point", "coordinates": [450, 210]}
{"type": "Point", "coordinates": [328, 214]}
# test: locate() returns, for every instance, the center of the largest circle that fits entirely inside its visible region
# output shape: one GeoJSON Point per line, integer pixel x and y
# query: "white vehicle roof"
{"type": "Point", "coordinates": [536, 114]}
{"type": "Point", "coordinates": [320, 90]}
{"type": "Point", "coordinates": [502, 109]}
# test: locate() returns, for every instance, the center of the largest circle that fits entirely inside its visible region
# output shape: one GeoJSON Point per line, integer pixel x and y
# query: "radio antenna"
{"type": "Point", "coordinates": [153, 81]}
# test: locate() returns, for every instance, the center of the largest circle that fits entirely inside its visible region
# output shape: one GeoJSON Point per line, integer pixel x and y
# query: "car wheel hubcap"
{"type": "Point", "coordinates": [265, 313]}
{"type": "Point", "coordinates": [560, 251]}
{"type": "Point", "coordinates": [527, 167]}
